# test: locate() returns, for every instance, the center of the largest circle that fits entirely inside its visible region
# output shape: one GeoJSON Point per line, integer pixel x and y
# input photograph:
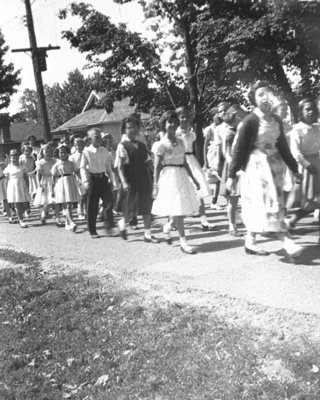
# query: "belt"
{"type": "Point", "coordinates": [66, 174]}
{"type": "Point", "coordinates": [174, 165]}
{"type": "Point", "coordinates": [188, 153]}
{"type": "Point", "coordinates": [97, 175]}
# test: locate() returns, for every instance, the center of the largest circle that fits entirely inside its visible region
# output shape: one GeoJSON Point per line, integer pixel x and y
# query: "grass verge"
{"type": "Point", "coordinates": [66, 337]}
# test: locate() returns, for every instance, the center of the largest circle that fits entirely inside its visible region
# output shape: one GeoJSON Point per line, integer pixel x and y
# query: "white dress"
{"type": "Point", "coordinates": [65, 188]}
{"type": "Point", "coordinates": [188, 137]}
{"type": "Point", "coordinates": [29, 164]}
{"type": "Point", "coordinates": [176, 194]}
{"type": "Point", "coordinates": [44, 194]}
{"type": "Point", "coordinates": [262, 181]}
{"type": "Point", "coordinates": [3, 186]}
{"type": "Point", "coordinates": [17, 190]}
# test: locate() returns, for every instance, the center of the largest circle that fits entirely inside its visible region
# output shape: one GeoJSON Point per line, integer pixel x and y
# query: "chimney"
{"type": "Point", "coordinates": [5, 127]}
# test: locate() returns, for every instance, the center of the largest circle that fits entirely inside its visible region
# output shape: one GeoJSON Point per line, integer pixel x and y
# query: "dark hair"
{"type": "Point", "coordinates": [254, 88]}
{"type": "Point", "coordinates": [305, 101]}
{"type": "Point", "coordinates": [13, 152]}
{"type": "Point", "coordinates": [231, 113]}
{"type": "Point", "coordinates": [64, 146]}
{"type": "Point", "coordinates": [31, 137]}
{"type": "Point", "coordinates": [135, 118]}
{"type": "Point", "coordinates": [167, 116]}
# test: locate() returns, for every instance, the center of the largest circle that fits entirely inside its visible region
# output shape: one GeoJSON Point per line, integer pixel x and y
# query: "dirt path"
{"type": "Point", "coordinates": [263, 291]}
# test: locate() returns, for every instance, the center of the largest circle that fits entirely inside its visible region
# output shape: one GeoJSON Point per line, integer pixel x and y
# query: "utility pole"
{"type": "Point", "coordinates": [38, 60]}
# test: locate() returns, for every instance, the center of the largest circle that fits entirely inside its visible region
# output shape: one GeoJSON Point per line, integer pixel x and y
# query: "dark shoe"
{"type": "Point", "coordinates": [112, 232]}
{"type": "Point", "coordinates": [188, 249]}
{"type": "Point", "coordinates": [123, 234]}
{"type": "Point", "coordinates": [257, 252]}
{"type": "Point", "coordinates": [94, 235]}
{"type": "Point", "coordinates": [208, 227]}
{"type": "Point", "coordinates": [12, 220]}
{"type": "Point", "coordinates": [151, 239]}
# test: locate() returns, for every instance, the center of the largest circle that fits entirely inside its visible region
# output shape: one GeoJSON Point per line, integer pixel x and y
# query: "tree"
{"type": "Point", "coordinates": [130, 65]}
{"type": "Point", "coordinates": [9, 78]}
{"type": "Point", "coordinates": [67, 100]}
{"type": "Point", "coordinates": [63, 101]}
{"type": "Point", "coordinates": [268, 40]}
{"type": "Point", "coordinates": [29, 109]}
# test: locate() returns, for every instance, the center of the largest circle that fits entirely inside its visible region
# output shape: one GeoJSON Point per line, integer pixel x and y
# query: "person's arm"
{"type": "Point", "coordinates": [122, 159]}
{"type": "Point", "coordinates": [205, 150]}
{"type": "Point", "coordinates": [84, 174]}
{"type": "Point", "coordinates": [158, 158]}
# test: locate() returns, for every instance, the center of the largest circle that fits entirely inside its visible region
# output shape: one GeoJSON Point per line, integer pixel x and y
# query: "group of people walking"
{"type": "Point", "coordinates": [255, 156]}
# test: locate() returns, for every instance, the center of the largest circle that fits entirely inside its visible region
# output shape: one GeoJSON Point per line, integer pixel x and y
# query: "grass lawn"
{"type": "Point", "coordinates": [69, 337]}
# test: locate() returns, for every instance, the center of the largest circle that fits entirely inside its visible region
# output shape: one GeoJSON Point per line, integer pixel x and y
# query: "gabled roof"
{"type": "Point", "coordinates": [96, 116]}
{"type": "Point", "coordinates": [93, 96]}
{"type": "Point", "coordinates": [19, 131]}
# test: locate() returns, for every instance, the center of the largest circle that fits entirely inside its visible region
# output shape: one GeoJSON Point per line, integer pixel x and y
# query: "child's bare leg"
{"type": "Point", "coordinates": [20, 207]}
{"type": "Point", "coordinates": [203, 218]}
{"type": "Point", "coordinates": [6, 207]}
{"type": "Point", "coordinates": [68, 209]}
{"type": "Point", "coordinates": [179, 222]}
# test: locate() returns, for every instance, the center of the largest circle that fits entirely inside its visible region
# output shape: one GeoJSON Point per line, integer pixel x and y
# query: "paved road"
{"type": "Point", "coordinates": [220, 267]}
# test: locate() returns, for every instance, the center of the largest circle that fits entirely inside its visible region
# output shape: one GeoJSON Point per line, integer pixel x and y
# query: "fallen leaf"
{"type": "Point", "coordinates": [103, 380]}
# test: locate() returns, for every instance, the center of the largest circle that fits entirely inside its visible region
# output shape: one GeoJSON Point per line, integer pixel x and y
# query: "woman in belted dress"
{"type": "Point", "coordinates": [173, 190]}
{"type": "Point", "coordinates": [260, 150]}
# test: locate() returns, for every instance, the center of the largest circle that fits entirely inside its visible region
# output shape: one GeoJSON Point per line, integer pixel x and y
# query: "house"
{"type": "Point", "coordinates": [12, 134]}
{"type": "Point", "coordinates": [93, 116]}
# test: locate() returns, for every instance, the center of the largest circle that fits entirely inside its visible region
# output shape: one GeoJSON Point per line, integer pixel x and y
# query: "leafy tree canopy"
{"type": "Point", "coordinates": [130, 66]}
{"type": "Point", "coordinates": [63, 101]}
{"type": "Point", "coordinates": [9, 78]}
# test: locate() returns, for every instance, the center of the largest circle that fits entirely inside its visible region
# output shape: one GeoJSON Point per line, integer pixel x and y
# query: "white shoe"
{"type": "Point", "coordinates": [23, 224]}
{"type": "Point", "coordinates": [81, 217]}
{"type": "Point", "coordinates": [293, 250]}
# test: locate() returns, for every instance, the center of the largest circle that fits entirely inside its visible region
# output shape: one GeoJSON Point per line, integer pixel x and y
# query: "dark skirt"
{"type": "Point", "coordinates": [138, 199]}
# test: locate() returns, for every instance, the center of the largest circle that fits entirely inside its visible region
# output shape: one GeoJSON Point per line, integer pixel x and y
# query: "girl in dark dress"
{"type": "Point", "coordinates": [136, 179]}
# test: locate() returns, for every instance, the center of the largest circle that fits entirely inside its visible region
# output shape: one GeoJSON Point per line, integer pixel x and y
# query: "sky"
{"type": "Point", "coordinates": [48, 28]}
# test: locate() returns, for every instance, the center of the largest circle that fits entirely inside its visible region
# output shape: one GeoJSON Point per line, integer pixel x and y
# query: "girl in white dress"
{"type": "Point", "coordinates": [305, 147]}
{"type": "Point", "coordinates": [65, 187]}
{"type": "Point", "coordinates": [28, 162]}
{"type": "Point", "coordinates": [75, 157]}
{"type": "Point", "coordinates": [173, 191]}
{"type": "Point", "coordinates": [261, 150]}
{"type": "Point", "coordinates": [3, 193]}
{"type": "Point", "coordinates": [17, 188]}
{"type": "Point", "coordinates": [188, 136]}
{"type": "Point", "coordinates": [44, 197]}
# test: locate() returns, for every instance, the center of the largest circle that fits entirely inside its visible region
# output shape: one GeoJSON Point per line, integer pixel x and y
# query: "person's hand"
{"type": "Point", "coordinates": [197, 184]}
{"type": "Point", "coordinates": [298, 177]}
{"type": "Point", "coordinates": [229, 185]}
{"type": "Point", "coordinates": [86, 186]}
{"type": "Point", "coordinates": [125, 186]}
{"type": "Point", "coordinates": [155, 191]}
{"type": "Point", "coordinates": [312, 169]}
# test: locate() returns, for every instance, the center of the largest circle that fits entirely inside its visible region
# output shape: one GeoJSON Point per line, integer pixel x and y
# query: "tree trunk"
{"type": "Point", "coordinates": [193, 88]}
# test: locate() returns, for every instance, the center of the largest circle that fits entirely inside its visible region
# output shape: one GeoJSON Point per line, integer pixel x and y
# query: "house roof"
{"type": "Point", "coordinates": [96, 116]}
{"type": "Point", "coordinates": [19, 131]}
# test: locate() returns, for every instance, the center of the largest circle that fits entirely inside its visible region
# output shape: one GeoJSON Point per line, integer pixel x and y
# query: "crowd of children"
{"type": "Point", "coordinates": [246, 155]}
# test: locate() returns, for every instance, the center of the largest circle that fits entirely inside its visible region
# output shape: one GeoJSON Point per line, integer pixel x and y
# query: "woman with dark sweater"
{"type": "Point", "coordinates": [260, 151]}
